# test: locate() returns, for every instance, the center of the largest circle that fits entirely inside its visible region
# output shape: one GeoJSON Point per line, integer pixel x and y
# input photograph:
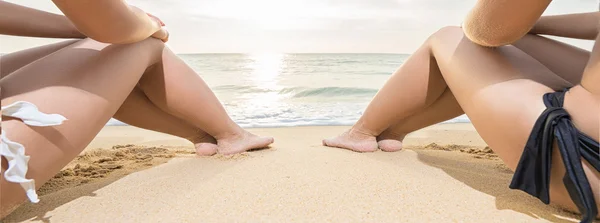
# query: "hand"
{"type": "Point", "coordinates": [156, 19]}
{"type": "Point", "coordinates": [161, 34]}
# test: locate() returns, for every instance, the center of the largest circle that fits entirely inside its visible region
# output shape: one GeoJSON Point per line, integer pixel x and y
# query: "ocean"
{"type": "Point", "coordinates": [281, 90]}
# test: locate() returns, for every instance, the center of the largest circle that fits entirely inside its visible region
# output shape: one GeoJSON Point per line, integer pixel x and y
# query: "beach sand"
{"type": "Point", "coordinates": [445, 174]}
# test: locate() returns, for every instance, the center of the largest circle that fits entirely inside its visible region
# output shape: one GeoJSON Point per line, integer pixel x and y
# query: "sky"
{"type": "Point", "coordinates": [300, 26]}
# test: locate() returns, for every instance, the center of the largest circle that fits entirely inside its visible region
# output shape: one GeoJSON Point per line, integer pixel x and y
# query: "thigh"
{"type": "Point", "coordinates": [86, 82]}
{"type": "Point", "coordinates": [14, 61]}
{"type": "Point", "coordinates": [562, 59]}
{"type": "Point", "coordinates": [501, 90]}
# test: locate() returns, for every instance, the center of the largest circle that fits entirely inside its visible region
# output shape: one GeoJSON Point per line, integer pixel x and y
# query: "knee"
{"type": "Point", "coordinates": [448, 30]}
{"type": "Point", "coordinates": [449, 39]}
{"type": "Point", "coordinates": [450, 35]}
{"type": "Point", "coordinates": [441, 36]}
{"type": "Point", "coordinates": [149, 46]}
{"type": "Point", "coordinates": [154, 47]}
{"type": "Point", "coordinates": [152, 43]}
{"type": "Point", "coordinates": [149, 43]}
{"type": "Point", "coordinates": [445, 33]}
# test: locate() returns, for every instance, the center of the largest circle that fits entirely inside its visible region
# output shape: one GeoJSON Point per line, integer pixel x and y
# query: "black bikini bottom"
{"type": "Point", "coordinates": [533, 172]}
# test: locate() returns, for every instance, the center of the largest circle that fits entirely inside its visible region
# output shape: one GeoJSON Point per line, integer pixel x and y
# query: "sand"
{"type": "Point", "coordinates": [445, 174]}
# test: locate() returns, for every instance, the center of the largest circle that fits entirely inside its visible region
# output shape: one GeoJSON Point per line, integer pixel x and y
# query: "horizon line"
{"type": "Point", "coordinates": [282, 53]}
{"type": "Point", "coordinates": [249, 53]}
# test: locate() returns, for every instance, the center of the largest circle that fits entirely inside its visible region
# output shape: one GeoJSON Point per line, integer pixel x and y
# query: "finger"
{"type": "Point", "coordinates": [166, 39]}
{"type": "Point", "coordinates": [156, 19]}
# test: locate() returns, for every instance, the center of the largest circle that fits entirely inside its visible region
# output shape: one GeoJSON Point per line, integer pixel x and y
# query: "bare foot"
{"type": "Point", "coordinates": [390, 142]}
{"type": "Point", "coordinates": [353, 140]}
{"type": "Point", "coordinates": [242, 142]}
{"type": "Point", "coordinates": [205, 145]}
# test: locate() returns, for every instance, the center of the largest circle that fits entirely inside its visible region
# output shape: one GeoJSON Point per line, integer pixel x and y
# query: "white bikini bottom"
{"type": "Point", "coordinates": [14, 152]}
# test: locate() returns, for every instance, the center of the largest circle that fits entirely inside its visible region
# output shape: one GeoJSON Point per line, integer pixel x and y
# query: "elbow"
{"type": "Point", "coordinates": [492, 36]}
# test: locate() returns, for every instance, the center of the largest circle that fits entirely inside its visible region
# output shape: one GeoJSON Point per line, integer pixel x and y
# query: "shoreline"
{"type": "Point", "coordinates": [308, 125]}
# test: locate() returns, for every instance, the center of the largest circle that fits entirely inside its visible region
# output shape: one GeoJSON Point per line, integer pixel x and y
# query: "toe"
{"type": "Point", "coordinates": [334, 142]}
{"type": "Point", "coordinates": [263, 142]}
{"type": "Point", "coordinates": [269, 140]}
{"type": "Point", "coordinates": [389, 145]}
{"type": "Point", "coordinates": [206, 149]}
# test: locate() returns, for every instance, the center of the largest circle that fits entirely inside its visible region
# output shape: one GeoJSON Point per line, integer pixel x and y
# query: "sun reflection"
{"type": "Point", "coordinates": [265, 69]}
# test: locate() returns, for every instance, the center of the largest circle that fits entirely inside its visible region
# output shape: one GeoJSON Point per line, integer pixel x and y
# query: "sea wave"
{"type": "Point", "coordinates": [241, 89]}
{"type": "Point", "coordinates": [302, 92]}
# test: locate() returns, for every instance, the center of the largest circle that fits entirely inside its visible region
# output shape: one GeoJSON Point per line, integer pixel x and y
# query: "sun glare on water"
{"type": "Point", "coordinates": [266, 66]}
{"type": "Point", "coordinates": [265, 69]}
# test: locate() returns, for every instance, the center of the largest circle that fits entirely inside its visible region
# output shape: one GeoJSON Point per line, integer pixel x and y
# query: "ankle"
{"type": "Point", "coordinates": [234, 132]}
{"type": "Point", "coordinates": [199, 136]}
{"type": "Point", "coordinates": [360, 129]}
{"type": "Point", "coordinates": [392, 135]}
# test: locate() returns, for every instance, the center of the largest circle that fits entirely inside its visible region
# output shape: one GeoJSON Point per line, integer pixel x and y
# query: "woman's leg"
{"type": "Point", "coordinates": [86, 82]}
{"type": "Point", "coordinates": [152, 118]}
{"type": "Point", "coordinates": [155, 119]}
{"type": "Point", "coordinates": [562, 59]}
{"type": "Point", "coordinates": [185, 95]}
{"type": "Point", "coordinates": [445, 108]}
{"type": "Point", "coordinates": [14, 61]}
{"type": "Point", "coordinates": [501, 90]}
{"type": "Point", "coordinates": [413, 87]}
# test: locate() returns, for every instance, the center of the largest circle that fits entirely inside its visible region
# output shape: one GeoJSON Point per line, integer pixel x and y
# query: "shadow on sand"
{"type": "Point", "coordinates": [40, 212]}
{"type": "Point", "coordinates": [497, 178]}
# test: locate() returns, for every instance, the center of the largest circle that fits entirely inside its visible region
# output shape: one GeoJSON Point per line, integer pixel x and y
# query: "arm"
{"type": "Point", "coordinates": [563, 25]}
{"type": "Point", "coordinates": [110, 21]}
{"type": "Point", "coordinates": [501, 22]}
{"type": "Point", "coordinates": [22, 21]}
